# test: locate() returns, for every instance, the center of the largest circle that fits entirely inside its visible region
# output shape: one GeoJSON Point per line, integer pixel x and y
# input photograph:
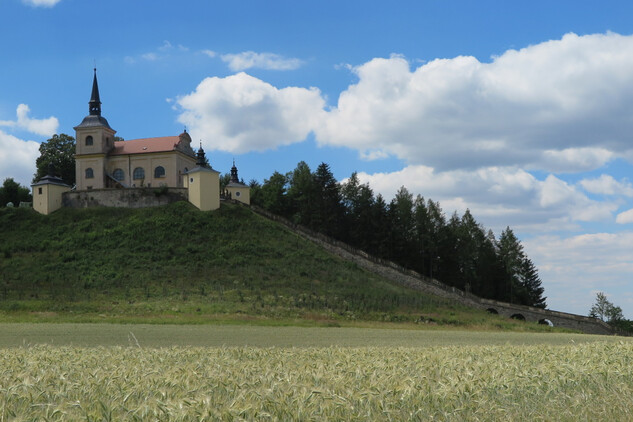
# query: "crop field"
{"type": "Point", "coordinates": [154, 335]}
{"type": "Point", "coordinates": [564, 380]}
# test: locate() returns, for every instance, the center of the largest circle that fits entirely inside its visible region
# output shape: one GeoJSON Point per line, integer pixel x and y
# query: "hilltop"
{"type": "Point", "coordinates": [177, 264]}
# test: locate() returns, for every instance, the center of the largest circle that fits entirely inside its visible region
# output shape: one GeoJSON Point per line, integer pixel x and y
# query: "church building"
{"type": "Point", "coordinates": [103, 162]}
{"type": "Point", "coordinates": [111, 172]}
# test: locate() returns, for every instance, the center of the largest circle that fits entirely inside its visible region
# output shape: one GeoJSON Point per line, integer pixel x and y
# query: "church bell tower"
{"type": "Point", "coordinates": [94, 140]}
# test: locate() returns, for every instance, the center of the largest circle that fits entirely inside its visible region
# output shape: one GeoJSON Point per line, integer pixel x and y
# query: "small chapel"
{"type": "Point", "coordinates": [112, 172]}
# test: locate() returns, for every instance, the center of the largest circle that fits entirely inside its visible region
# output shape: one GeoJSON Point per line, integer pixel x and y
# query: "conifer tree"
{"type": "Point", "coordinates": [532, 284]}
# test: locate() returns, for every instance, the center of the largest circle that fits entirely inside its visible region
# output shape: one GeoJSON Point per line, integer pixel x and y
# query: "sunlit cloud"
{"type": "Point", "coordinates": [44, 127]}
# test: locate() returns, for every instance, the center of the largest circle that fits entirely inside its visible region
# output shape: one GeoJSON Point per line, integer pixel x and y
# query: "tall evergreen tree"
{"type": "Point", "coordinates": [380, 213]}
{"type": "Point", "coordinates": [301, 194]}
{"type": "Point", "coordinates": [511, 256]}
{"type": "Point", "coordinates": [403, 229]}
{"type": "Point", "coordinates": [422, 236]}
{"type": "Point", "coordinates": [437, 233]}
{"type": "Point", "coordinates": [532, 284]}
{"type": "Point", "coordinates": [358, 200]}
{"type": "Point", "coordinates": [327, 209]}
{"type": "Point", "coordinates": [273, 194]}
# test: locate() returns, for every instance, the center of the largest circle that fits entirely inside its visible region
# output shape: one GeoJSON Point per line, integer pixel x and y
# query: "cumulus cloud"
{"type": "Point", "coordinates": [470, 132]}
{"type": "Point", "coordinates": [625, 217]}
{"type": "Point", "coordinates": [17, 158]}
{"type": "Point", "coordinates": [241, 113]}
{"type": "Point", "coordinates": [44, 127]}
{"type": "Point", "coordinates": [498, 196]}
{"type": "Point", "coordinates": [574, 268]}
{"type": "Point", "coordinates": [250, 59]}
{"type": "Point", "coordinates": [607, 185]}
{"type": "Point", "coordinates": [561, 105]}
{"type": "Point", "coordinates": [41, 3]}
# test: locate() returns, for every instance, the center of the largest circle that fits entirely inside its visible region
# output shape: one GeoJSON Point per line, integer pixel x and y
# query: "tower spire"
{"type": "Point", "coordinates": [234, 177]}
{"type": "Point", "coordinates": [95, 102]}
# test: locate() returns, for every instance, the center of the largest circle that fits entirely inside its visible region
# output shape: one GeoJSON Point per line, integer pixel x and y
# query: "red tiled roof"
{"type": "Point", "coordinates": [145, 145]}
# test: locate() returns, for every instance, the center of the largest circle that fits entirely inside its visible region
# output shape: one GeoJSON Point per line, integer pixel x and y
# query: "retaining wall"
{"type": "Point", "coordinates": [128, 198]}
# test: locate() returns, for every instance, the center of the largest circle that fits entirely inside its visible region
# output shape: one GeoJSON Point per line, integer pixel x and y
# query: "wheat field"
{"type": "Point", "coordinates": [590, 381]}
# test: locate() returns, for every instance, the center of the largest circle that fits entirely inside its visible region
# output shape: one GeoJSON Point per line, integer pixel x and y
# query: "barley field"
{"type": "Point", "coordinates": [578, 381]}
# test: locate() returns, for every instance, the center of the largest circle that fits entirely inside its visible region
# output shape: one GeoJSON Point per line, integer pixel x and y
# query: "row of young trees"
{"type": "Point", "coordinates": [408, 230]}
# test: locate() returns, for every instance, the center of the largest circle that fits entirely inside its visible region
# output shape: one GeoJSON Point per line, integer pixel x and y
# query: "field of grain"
{"type": "Point", "coordinates": [588, 381]}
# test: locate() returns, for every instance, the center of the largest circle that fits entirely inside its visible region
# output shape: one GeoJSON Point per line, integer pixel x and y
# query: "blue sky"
{"type": "Point", "coordinates": [520, 111]}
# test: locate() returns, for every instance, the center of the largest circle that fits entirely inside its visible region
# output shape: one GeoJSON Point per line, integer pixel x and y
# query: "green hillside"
{"type": "Point", "coordinates": [177, 264]}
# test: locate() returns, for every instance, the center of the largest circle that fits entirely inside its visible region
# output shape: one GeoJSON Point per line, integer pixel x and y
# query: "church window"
{"type": "Point", "coordinates": [237, 194]}
{"type": "Point", "coordinates": [39, 191]}
{"type": "Point", "coordinates": [89, 173]}
{"type": "Point", "coordinates": [89, 141]}
{"type": "Point", "coordinates": [139, 173]}
{"type": "Point", "coordinates": [118, 174]}
{"type": "Point", "coordinates": [159, 172]}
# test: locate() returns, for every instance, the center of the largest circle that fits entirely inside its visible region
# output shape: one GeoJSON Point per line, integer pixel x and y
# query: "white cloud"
{"type": "Point", "coordinates": [574, 159]}
{"type": "Point", "coordinates": [498, 196]}
{"type": "Point", "coordinates": [17, 158]}
{"type": "Point", "coordinates": [251, 59]}
{"type": "Point", "coordinates": [149, 56]}
{"type": "Point", "coordinates": [165, 51]}
{"type": "Point", "coordinates": [465, 128]}
{"type": "Point", "coordinates": [241, 113]}
{"type": "Point", "coordinates": [558, 106]}
{"type": "Point", "coordinates": [625, 217]}
{"type": "Point", "coordinates": [561, 105]}
{"type": "Point", "coordinates": [41, 3]}
{"type": "Point", "coordinates": [607, 185]}
{"type": "Point", "coordinates": [209, 53]}
{"type": "Point", "coordinates": [574, 268]}
{"type": "Point", "coordinates": [44, 127]}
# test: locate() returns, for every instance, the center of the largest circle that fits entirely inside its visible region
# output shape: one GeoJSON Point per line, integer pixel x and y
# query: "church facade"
{"type": "Point", "coordinates": [104, 163]}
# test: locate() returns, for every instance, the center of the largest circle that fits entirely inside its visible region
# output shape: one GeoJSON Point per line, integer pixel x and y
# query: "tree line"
{"type": "Point", "coordinates": [411, 231]}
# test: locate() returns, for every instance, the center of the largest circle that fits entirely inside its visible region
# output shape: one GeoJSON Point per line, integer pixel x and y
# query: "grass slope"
{"type": "Point", "coordinates": [177, 264]}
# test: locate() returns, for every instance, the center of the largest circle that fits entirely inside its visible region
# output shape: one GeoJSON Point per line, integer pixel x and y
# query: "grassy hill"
{"type": "Point", "coordinates": [177, 264]}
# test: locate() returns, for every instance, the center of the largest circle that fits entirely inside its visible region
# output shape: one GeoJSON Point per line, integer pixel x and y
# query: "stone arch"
{"type": "Point", "coordinates": [492, 311]}
{"type": "Point", "coordinates": [520, 317]}
{"type": "Point", "coordinates": [545, 321]}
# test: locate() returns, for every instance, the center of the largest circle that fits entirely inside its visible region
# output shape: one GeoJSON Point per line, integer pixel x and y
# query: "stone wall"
{"type": "Point", "coordinates": [414, 280]}
{"type": "Point", "coordinates": [129, 198]}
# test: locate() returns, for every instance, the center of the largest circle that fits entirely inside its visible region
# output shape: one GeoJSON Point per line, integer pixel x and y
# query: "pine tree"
{"type": "Point", "coordinates": [511, 257]}
{"type": "Point", "coordinates": [532, 284]}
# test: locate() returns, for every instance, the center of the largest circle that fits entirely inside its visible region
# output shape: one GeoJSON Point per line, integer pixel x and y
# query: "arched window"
{"type": "Point", "coordinates": [159, 172]}
{"type": "Point", "coordinates": [118, 174]}
{"type": "Point", "coordinates": [139, 173]}
{"type": "Point", "coordinates": [89, 173]}
{"type": "Point", "coordinates": [89, 141]}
